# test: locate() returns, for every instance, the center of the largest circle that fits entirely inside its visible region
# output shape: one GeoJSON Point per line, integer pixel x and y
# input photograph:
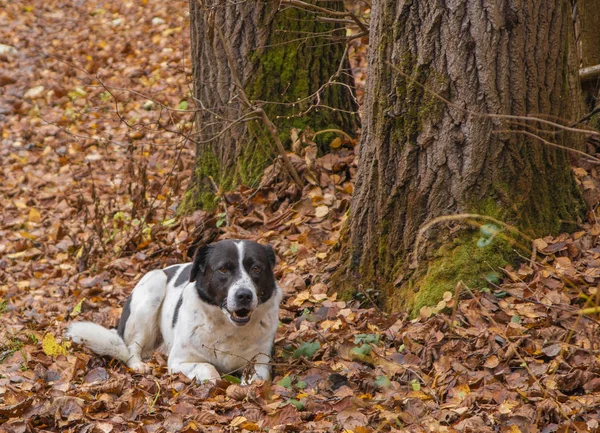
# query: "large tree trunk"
{"type": "Point", "coordinates": [589, 31]}
{"type": "Point", "coordinates": [281, 57]}
{"type": "Point", "coordinates": [421, 158]}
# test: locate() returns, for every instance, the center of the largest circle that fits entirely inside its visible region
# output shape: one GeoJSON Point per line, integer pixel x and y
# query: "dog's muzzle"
{"type": "Point", "coordinates": [243, 307]}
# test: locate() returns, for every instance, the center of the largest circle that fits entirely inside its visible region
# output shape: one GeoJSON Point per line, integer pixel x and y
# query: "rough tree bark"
{"type": "Point", "coordinates": [282, 55]}
{"type": "Point", "coordinates": [421, 158]}
{"type": "Point", "coordinates": [589, 26]}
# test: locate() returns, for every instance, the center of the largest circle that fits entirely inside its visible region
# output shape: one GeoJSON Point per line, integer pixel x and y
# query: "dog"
{"type": "Point", "coordinates": [216, 315]}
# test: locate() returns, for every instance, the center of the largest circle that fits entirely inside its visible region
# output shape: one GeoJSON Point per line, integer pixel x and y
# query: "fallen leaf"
{"type": "Point", "coordinates": [52, 348]}
{"type": "Point", "coordinates": [321, 211]}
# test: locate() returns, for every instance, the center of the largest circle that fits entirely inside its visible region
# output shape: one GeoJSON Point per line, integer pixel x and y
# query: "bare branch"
{"type": "Point", "coordinates": [548, 143]}
{"type": "Point", "coordinates": [589, 73]}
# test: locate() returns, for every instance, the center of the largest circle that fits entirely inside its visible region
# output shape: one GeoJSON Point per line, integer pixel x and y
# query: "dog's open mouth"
{"type": "Point", "coordinates": [241, 316]}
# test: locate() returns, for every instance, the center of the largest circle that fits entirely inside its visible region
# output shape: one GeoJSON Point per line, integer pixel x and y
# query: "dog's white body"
{"type": "Point", "coordinates": [201, 340]}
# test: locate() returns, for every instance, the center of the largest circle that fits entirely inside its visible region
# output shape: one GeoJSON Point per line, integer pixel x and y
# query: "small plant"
{"type": "Point", "coordinates": [307, 350]}
{"type": "Point", "coordinates": [366, 338]}
{"type": "Point", "coordinates": [488, 233]}
{"type": "Point", "coordinates": [13, 346]}
{"type": "Point", "coordinates": [415, 384]}
{"type": "Point", "coordinates": [367, 297]}
{"type": "Point", "coordinates": [221, 219]}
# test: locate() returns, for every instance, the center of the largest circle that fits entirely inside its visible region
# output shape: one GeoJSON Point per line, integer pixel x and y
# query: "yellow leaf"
{"type": "Point", "coordinates": [52, 347]}
{"type": "Point", "coordinates": [335, 143]}
{"type": "Point", "coordinates": [507, 406]}
{"type": "Point", "coordinates": [20, 204]}
{"type": "Point", "coordinates": [18, 255]}
{"type": "Point", "coordinates": [238, 420]}
{"type": "Point", "coordinates": [34, 215]}
{"type": "Point", "coordinates": [317, 199]}
{"type": "Point", "coordinates": [27, 235]}
{"type": "Point", "coordinates": [27, 254]}
{"type": "Point", "coordinates": [77, 310]}
{"type": "Point", "coordinates": [250, 426]}
{"type": "Point", "coordinates": [301, 298]}
{"type": "Point", "coordinates": [419, 394]}
{"type": "Point", "coordinates": [331, 324]}
{"type": "Point", "coordinates": [321, 211]}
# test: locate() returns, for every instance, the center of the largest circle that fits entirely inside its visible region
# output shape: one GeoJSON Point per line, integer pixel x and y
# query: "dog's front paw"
{"type": "Point", "coordinates": [252, 380]}
{"type": "Point", "coordinates": [205, 373]}
{"type": "Point", "coordinates": [257, 376]}
{"type": "Point", "coordinates": [140, 367]}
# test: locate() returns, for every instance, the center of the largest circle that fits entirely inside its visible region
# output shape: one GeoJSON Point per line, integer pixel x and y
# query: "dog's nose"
{"type": "Point", "coordinates": [243, 296]}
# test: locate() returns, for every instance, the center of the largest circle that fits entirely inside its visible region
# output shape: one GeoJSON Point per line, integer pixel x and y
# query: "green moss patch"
{"type": "Point", "coordinates": [472, 258]}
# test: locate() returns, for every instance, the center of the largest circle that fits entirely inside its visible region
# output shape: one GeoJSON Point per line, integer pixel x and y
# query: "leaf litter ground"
{"type": "Point", "coordinates": [94, 114]}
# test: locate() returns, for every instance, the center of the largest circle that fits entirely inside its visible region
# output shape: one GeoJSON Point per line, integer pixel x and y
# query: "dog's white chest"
{"type": "Point", "coordinates": [203, 333]}
{"type": "Point", "coordinates": [227, 349]}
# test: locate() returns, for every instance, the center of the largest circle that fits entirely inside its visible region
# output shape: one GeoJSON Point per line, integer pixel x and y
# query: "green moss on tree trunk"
{"type": "Point", "coordinates": [423, 159]}
{"type": "Point", "coordinates": [281, 73]}
{"type": "Point", "coordinates": [464, 259]}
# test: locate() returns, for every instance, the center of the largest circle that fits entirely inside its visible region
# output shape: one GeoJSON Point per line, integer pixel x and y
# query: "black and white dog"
{"type": "Point", "coordinates": [214, 316]}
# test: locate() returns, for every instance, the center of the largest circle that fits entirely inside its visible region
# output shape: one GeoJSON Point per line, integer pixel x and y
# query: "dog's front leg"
{"type": "Point", "coordinates": [199, 371]}
{"type": "Point", "coordinates": [262, 369]}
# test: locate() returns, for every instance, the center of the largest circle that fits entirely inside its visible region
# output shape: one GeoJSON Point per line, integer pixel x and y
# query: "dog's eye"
{"type": "Point", "coordinates": [223, 270]}
{"type": "Point", "coordinates": [255, 270]}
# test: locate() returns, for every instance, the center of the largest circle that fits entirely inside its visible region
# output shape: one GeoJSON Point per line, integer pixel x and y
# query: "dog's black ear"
{"type": "Point", "coordinates": [199, 263]}
{"type": "Point", "coordinates": [270, 254]}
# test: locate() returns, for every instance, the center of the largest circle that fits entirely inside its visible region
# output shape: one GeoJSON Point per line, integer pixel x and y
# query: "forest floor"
{"type": "Point", "coordinates": [94, 110]}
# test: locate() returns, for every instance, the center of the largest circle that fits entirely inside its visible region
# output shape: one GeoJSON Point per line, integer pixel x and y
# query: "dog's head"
{"type": "Point", "coordinates": [236, 276]}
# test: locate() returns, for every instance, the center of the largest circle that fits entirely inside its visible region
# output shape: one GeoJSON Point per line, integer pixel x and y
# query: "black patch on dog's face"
{"type": "Point", "coordinates": [216, 267]}
{"type": "Point", "coordinates": [259, 261]}
{"type": "Point", "coordinates": [124, 316]}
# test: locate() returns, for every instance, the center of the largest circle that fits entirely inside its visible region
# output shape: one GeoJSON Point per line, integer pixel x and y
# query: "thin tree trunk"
{"type": "Point", "coordinates": [421, 158]}
{"type": "Point", "coordinates": [282, 56]}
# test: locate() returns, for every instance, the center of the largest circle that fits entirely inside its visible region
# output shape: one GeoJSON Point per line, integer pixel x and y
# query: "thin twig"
{"type": "Point", "coordinates": [492, 115]}
{"type": "Point", "coordinates": [415, 261]}
{"type": "Point", "coordinates": [337, 131]}
{"type": "Point", "coordinates": [548, 143]}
